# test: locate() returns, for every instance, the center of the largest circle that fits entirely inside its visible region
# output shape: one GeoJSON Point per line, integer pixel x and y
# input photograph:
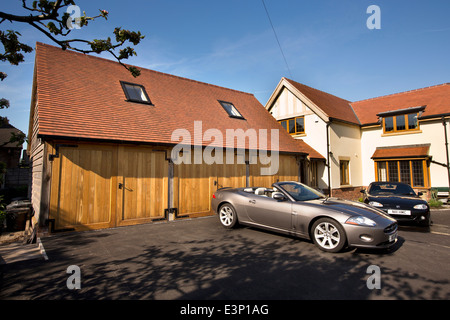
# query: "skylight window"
{"type": "Point", "coordinates": [135, 92]}
{"type": "Point", "coordinates": [231, 110]}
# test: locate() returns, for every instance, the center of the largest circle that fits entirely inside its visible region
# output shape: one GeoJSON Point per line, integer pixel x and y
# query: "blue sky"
{"type": "Point", "coordinates": [326, 43]}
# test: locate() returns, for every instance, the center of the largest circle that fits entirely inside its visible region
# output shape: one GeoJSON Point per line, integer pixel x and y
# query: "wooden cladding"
{"type": "Point", "coordinates": [104, 186]}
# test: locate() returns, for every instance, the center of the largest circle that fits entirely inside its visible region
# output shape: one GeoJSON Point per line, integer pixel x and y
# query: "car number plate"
{"type": "Point", "coordinates": [400, 212]}
{"type": "Point", "coordinates": [392, 237]}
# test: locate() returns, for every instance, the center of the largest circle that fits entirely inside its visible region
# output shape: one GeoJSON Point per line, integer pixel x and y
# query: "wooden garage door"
{"type": "Point", "coordinates": [288, 170]}
{"type": "Point", "coordinates": [96, 186]}
{"type": "Point", "coordinates": [83, 188]}
{"type": "Point", "coordinates": [143, 185]}
{"type": "Point", "coordinates": [196, 183]}
{"type": "Point", "coordinates": [193, 187]}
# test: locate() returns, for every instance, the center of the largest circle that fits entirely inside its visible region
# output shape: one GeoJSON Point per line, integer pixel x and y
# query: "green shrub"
{"type": "Point", "coordinates": [435, 203]}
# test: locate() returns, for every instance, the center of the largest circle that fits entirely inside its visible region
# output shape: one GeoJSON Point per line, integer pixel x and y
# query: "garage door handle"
{"type": "Point", "coordinates": [252, 201]}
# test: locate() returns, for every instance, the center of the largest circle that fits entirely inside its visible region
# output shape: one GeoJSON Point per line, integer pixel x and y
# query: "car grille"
{"type": "Point", "coordinates": [391, 228]}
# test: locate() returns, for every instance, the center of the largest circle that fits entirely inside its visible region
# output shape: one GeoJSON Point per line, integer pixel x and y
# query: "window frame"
{"type": "Point", "coordinates": [399, 175]}
{"type": "Point", "coordinates": [295, 125]}
{"type": "Point", "coordinates": [241, 117]}
{"type": "Point", "coordinates": [124, 85]}
{"type": "Point", "coordinates": [406, 123]}
{"type": "Point", "coordinates": [344, 172]}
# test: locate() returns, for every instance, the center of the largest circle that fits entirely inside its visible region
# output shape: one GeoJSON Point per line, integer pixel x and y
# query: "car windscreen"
{"type": "Point", "coordinates": [301, 192]}
{"type": "Point", "coordinates": [390, 189]}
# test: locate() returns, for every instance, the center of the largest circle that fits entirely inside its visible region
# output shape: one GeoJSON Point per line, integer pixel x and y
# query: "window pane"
{"type": "Point", "coordinates": [291, 125]}
{"type": "Point", "coordinates": [227, 107]}
{"type": "Point", "coordinates": [418, 179]}
{"type": "Point", "coordinates": [382, 174]}
{"type": "Point", "coordinates": [400, 120]}
{"type": "Point", "coordinates": [393, 171]}
{"type": "Point", "coordinates": [412, 121]}
{"type": "Point", "coordinates": [235, 112]}
{"type": "Point", "coordinates": [135, 93]}
{"type": "Point", "coordinates": [300, 124]}
{"type": "Point", "coordinates": [231, 109]}
{"type": "Point", "coordinates": [405, 174]}
{"type": "Point", "coordinates": [344, 172]}
{"type": "Point", "coordinates": [284, 124]}
{"type": "Point", "coordinates": [388, 124]}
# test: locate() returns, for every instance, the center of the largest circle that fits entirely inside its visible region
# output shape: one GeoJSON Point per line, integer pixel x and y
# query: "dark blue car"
{"type": "Point", "coordinates": [399, 201]}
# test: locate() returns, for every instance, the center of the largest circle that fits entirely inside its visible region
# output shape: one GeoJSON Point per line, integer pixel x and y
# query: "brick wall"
{"type": "Point", "coordinates": [351, 193]}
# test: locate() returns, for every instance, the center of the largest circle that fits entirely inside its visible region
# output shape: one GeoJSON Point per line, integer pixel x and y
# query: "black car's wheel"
{"type": "Point", "coordinates": [328, 235]}
{"type": "Point", "coordinates": [227, 216]}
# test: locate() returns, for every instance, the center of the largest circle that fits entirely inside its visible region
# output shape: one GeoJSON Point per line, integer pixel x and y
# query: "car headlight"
{"type": "Point", "coordinates": [375, 204]}
{"type": "Point", "coordinates": [421, 206]}
{"type": "Point", "coordinates": [361, 221]}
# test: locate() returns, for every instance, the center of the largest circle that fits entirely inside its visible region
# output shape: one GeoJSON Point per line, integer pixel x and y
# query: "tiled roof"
{"type": "Point", "coordinates": [6, 132]}
{"type": "Point", "coordinates": [402, 152]}
{"type": "Point", "coordinates": [313, 154]}
{"type": "Point", "coordinates": [81, 96]}
{"type": "Point", "coordinates": [435, 98]}
{"type": "Point", "coordinates": [333, 106]}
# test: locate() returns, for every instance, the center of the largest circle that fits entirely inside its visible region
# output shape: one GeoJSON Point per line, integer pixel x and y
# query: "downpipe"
{"type": "Point", "coordinates": [446, 148]}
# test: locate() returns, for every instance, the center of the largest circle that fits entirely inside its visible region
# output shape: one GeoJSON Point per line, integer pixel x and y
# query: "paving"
{"type": "Point", "coordinates": [197, 259]}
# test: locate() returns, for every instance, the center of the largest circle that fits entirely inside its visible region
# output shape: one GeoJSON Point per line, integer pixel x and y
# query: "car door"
{"type": "Point", "coordinates": [270, 212]}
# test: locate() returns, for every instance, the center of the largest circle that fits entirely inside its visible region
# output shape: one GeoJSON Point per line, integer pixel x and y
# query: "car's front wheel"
{"type": "Point", "coordinates": [328, 235]}
{"type": "Point", "coordinates": [227, 216]}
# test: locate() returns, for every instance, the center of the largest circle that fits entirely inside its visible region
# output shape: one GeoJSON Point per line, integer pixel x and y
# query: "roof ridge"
{"type": "Point", "coordinates": [150, 70]}
{"type": "Point", "coordinates": [318, 90]}
{"type": "Point", "coordinates": [402, 92]}
{"type": "Point", "coordinates": [197, 81]}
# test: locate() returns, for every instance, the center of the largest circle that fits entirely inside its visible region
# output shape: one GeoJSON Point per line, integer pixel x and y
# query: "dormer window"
{"type": "Point", "coordinates": [231, 110]}
{"type": "Point", "coordinates": [401, 123]}
{"type": "Point", "coordinates": [403, 120]}
{"type": "Point", "coordinates": [135, 92]}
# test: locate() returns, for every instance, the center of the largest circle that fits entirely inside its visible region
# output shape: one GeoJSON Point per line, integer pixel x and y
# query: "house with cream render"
{"type": "Point", "coordinates": [398, 137]}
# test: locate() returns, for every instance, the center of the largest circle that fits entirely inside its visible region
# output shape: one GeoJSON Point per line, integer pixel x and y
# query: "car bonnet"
{"type": "Point", "coordinates": [353, 208]}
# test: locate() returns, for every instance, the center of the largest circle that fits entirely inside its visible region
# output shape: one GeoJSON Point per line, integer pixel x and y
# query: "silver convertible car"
{"type": "Point", "coordinates": [295, 209]}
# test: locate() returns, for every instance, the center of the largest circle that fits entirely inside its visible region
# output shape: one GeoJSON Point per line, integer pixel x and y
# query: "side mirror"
{"type": "Point", "coordinates": [362, 191]}
{"type": "Point", "coordinates": [278, 196]}
{"type": "Point", "coordinates": [420, 193]}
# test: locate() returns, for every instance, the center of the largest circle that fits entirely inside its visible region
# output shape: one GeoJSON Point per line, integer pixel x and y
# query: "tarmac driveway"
{"type": "Point", "coordinates": [199, 260]}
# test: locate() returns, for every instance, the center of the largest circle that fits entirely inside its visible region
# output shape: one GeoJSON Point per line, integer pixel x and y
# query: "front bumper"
{"type": "Point", "coordinates": [418, 216]}
{"type": "Point", "coordinates": [371, 237]}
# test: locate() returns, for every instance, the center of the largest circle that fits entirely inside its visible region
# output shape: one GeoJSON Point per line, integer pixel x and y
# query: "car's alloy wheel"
{"type": "Point", "coordinates": [227, 216]}
{"type": "Point", "coordinates": [328, 235]}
